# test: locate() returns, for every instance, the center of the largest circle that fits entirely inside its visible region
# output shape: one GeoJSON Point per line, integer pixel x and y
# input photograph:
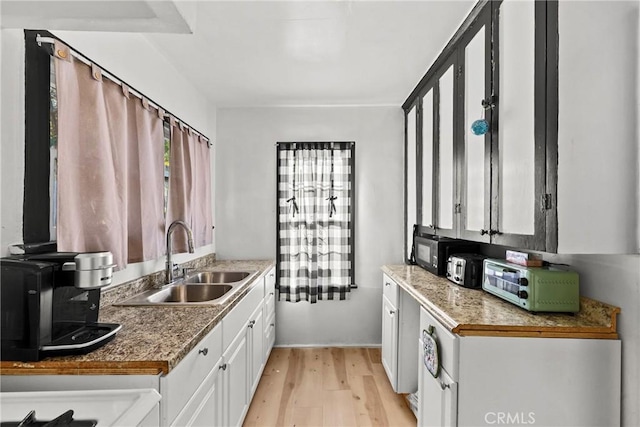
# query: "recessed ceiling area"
{"type": "Point", "coordinates": [94, 15]}
{"type": "Point", "coordinates": [256, 53]}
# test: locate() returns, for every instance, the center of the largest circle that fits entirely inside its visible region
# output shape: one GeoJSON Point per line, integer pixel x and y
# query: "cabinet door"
{"type": "Point", "coordinates": [256, 350]}
{"type": "Point", "coordinates": [474, 151]}
{"type": "Point", "coordinates": [518, 214]}
{"type": "Point", "coordinates": [390, 340]}
{"type": "Point", "coordinates": [411, 214]}
{"type": "Point", "coordinates": [427, 152]}
{"type": "Point", "coordinates": [438, 399]}
{"type": "Point", "coordinates": [446, 186]}
{"type": "Point", "coordinates": [236, 395]}
{"type": "Point", "coordinates": [209, 413]}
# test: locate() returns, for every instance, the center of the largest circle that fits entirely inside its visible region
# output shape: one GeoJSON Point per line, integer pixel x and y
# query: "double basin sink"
{"type": "Point", "coordinates": [204, 287]}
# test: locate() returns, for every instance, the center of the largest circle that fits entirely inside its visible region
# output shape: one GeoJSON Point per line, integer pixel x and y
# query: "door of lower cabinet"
{"type": "Point", "coordinates": [209, 413]}
{"type": "Point", "coordinates": [390, 340]}
{"type": "Point", "coordinates": [256, 326]}
{"type": "Point", "coordinates": [236, 393]}
{"type": "Point", "coordinates": [438, 400]}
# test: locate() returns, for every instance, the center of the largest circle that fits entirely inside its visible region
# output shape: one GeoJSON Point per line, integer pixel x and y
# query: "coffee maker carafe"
{"type": "Point", "coordinates": [50, 304]}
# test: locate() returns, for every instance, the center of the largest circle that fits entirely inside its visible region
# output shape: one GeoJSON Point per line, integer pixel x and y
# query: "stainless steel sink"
{"type": "Point", "coordinates": [189, 293]}
{"type": "Point", "coordinates": [217, 277]}
{"type": "Point", "coordinates": [199, 289]}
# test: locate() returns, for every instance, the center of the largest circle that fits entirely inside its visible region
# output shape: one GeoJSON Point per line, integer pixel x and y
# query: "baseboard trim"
{"type": "Point", "coordinates": [327, 345]}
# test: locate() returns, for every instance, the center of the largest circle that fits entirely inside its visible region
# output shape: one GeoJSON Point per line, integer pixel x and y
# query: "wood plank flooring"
{"type": "Point", "coordinates": [326, 387]}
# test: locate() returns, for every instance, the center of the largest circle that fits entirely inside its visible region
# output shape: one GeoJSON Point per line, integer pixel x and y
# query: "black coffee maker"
{"type": "Point", "coordinates": [49, 304]}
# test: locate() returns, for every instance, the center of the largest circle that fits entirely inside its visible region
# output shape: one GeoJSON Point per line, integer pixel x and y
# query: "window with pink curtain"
{"type": "Point", "coordinates": [190, 187]}
{"type": "Point", "coordinates": [110, 166]}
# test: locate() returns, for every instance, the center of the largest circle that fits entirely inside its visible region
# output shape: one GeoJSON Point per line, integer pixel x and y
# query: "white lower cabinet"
{"type": "Point", "coordinates": [211, 386]}
{"type": "Point", "coordinates": [438, 400]}
{"type": "Point", "coordinates": [400, 317]}
{"type": "Point", "coordinates": [517, 381]}
{"type": "Point", "coordinates": [236, 384]}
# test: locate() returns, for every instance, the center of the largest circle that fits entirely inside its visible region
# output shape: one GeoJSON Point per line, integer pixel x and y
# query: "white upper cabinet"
{"type": "Point", "coordinates": [557, 170]}
{"type": "Point", "coordinates": [428, 128]}
{"type": "Point", "coordinates": [445, 166]}
{"type": "Point", "coordinates": [411, 179]}
{"type": "Point", "coordinates": [476, 149]}
{"type": "Point", "coordinates": [516, 136]}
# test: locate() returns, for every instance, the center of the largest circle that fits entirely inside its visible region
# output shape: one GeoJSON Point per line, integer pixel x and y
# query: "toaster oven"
{"type": "Point", "coordinates": [547, 289]}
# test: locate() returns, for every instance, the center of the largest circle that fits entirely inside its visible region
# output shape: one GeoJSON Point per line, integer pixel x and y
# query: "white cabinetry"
{"type": "Point", "coordinates": [400, 316]}
{"type": "Point", "coordinates": [235, 381]}
{"type": "Point", "coordinates": [541, 381]}
{"type": "Point", "coordinates": [269, 312]}
{"type": "Point", "coordinates": [183, 389]}
{"type": "Point", "coordinates": [212, 385]}
{"type": "Point", "coordinates": [243, 360]}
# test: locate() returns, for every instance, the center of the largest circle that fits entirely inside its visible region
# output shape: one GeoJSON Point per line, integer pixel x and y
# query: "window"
{"type": "Point", "coordinates": [76, 175]}
{"type": "Point", "coordinates": [315, 227]}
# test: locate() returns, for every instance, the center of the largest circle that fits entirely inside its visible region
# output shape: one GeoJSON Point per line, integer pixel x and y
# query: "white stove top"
{"type": "Point", "coordinates": [108, 407]}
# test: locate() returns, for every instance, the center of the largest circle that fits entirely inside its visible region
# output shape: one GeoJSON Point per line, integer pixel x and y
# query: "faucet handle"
{"type": "Point", "coordinates": [186, 270]}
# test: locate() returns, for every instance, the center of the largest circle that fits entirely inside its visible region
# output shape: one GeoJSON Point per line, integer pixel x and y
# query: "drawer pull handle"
{"type": "Point", "coordinates": [271, 293]}
{"type": "Point", "coordinates": [392, 312]}
{"type": "Point", "coordinates": [387, 284]}
{"type": "Point", "coordinates": [223, 367]}
{"type": "Point", "coordinates": [253, 322]}
{"type": "Point", "coordinates": [273, 324]}
{"type": "Point", "coordinates": [204, 351]}
{"type": "Point", "coordinates": [443, 385]}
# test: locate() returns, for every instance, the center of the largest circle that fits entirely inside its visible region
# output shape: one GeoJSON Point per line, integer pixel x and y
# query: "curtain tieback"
{"type": "Point", "coordinates": [293, 206]}
{"type": "Point", "coordinates": [332, 205]}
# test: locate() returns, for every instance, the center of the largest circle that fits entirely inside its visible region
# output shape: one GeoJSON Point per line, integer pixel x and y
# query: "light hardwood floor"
{"type": "Point", "coordinates": [326, 387]}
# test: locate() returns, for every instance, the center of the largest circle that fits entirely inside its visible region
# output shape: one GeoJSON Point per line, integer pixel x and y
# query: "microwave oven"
{"type": "Point", "coordinates": [432, 252]}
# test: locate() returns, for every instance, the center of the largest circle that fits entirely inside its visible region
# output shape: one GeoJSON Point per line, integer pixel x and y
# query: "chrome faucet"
{"type": "Point", "coordinates": [170, 268]}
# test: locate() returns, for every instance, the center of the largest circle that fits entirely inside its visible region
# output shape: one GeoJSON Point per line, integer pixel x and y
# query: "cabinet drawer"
{"type": "Point", "coordinates": [269, 303]}
{"type": "Point", "coordinates": [182, 382]}
{"type": "Point", "coordinates": [269, 335]}
{"type": "Point", "coordinates": [270, 280]}
{"type": "Point", "coordinates": [238, 317]}
{"type": "Point", "coordinates": [390, 290]}
{"type": "Point", "coordinates": [447, 343]}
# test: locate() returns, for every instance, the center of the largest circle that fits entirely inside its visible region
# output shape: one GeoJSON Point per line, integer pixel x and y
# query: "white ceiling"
{"type": "Point", "coordinates": [256, 53]}
{"type": "Point", "coordinates": [251, 53]}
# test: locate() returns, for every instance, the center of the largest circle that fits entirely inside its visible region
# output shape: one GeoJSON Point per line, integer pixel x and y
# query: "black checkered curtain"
{"type": "Point", "coordinates": [315, 221]}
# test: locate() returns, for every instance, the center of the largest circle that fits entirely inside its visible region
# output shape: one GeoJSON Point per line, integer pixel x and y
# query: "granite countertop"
{"type": "Point", "coordinates": [152, 340]}
{"type": "Point", "coordinates": [475, 312]}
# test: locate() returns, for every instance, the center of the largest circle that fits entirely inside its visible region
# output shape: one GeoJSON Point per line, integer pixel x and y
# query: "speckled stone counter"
{"type": "Point", "coordinates": [475, 312]}
{"type": "Point", "coordinates": [152, 339]}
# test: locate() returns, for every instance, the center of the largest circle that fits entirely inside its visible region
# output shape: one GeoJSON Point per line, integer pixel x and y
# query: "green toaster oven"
{"type": "Point", "coordinates": [537, 289]}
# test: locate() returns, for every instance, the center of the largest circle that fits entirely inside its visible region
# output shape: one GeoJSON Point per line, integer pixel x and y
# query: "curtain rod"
{"type": "Point", "coordinates": [51, 40]}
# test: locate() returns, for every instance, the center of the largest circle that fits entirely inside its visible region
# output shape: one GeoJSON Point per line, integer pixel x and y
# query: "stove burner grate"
{"type": "Point", "coordinates": [63, 420]}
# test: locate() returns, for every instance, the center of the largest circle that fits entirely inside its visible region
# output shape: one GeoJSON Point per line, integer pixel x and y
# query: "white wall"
{"type": "Point", "coordinates": [246, 204]}
{"type": "Point", "coordinates": [597, 127]}
{"type": "Point", "coordinates": [130, 57]}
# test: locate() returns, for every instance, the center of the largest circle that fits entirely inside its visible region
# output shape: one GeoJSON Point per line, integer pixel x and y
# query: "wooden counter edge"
{"type": "Point", "coordinates": [84, 368]}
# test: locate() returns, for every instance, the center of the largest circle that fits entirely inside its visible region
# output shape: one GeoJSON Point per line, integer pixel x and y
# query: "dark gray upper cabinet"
{"type": "Point", "coordinates": [520, 185]}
